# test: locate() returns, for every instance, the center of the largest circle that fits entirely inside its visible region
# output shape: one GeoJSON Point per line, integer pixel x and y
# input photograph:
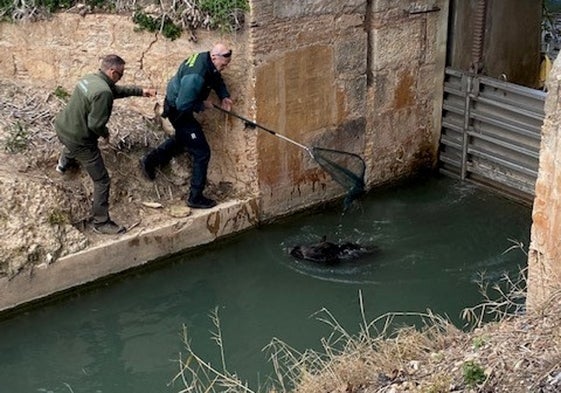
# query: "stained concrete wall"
{"type": "Point", "coordinates": [407, 49]}
{"type": "Point", "coordinates": [544, 262]}
{"type": "Point", "coordinates": [360, 76]}
{"type": "Point", "coordinates": [310, 85]}
{"type": "Point", "coordinates": [133, 249]}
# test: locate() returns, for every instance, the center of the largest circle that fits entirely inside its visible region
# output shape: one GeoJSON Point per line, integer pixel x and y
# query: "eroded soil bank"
{"type": "Point", "coordinates": [44, 215]}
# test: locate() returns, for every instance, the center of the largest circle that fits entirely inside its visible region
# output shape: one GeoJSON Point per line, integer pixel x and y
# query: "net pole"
{"type": "Point", "coordinates": [253, 124]}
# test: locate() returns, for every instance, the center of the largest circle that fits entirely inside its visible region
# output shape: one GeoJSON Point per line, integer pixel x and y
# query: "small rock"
{"type": "Point", "coordinates": [153, 205]}
{"type": "Point", "coordinates": [179, 211]}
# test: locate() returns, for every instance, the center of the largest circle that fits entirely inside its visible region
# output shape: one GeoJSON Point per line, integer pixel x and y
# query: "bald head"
{"type": "Point", "coordinates": [219, 48]}
{"type": "Point", "coordinates": [220, 55]}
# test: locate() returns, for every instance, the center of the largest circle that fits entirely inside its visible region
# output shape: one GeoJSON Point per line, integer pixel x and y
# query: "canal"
{"type": "Point", "coordinates": [435, 237]}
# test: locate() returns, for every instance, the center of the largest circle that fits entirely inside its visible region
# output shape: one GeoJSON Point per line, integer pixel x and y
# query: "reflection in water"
{"type": "Point", "coordinates": [435, 237]}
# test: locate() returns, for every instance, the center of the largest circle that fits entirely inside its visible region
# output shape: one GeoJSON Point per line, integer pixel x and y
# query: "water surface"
{"type": "Point", "coordinates": [435, 238]}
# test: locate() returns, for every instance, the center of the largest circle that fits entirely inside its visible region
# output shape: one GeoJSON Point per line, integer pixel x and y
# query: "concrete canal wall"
{"type": "Point", "coordinates": [544, 260]}
{"type": "Point", "coordinates": [359, 76]}
{"type": "Point", "coordinates": [364, 77]}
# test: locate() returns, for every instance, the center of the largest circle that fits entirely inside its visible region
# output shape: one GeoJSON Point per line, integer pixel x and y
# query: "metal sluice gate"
{"type": "Point", "coordinates": [491, 133]}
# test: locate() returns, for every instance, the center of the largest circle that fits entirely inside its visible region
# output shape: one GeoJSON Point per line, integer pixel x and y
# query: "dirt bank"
{"type": "Point", "coordinates": [519, 354]}
{"type": "Point", "coordinates": [43, 214]}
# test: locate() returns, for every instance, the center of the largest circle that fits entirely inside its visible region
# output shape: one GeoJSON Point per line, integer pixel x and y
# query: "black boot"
{"type": "Point", "coordinates": [198, 201]}
{"type": "Point", "coordinates": [149, 171]}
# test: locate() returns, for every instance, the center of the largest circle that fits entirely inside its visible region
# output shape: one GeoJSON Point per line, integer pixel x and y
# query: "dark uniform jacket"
{"type": "Point", "coordinates": [84, 118]}
{"type": "Point", "coordinates": [192, 83]}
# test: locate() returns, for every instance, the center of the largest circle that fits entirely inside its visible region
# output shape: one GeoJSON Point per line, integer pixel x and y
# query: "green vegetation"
{"type": "Point", "coordinates": [60, 92]}
{"type": "Point", "coordinates": [478, 342]}
{"type": "Point", "coordinates": [473, 373]}
{"type": "Point", "coordinates": [161, 23]}
{"type": "Point", "coordinates": [169, 18]}
{"type": "Point", "coordinates": [17, 139]}
{"type": "Point", "coordinates": [58, 217]}
{"type": "Point", "coordinates": [16, 10]}
{"type": "Point", "coordinates": [225, 14]}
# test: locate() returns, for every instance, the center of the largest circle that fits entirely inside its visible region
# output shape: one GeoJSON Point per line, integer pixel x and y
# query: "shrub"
{"type": "Point", "coordinates": [60, 92]}
{"type": "Point", "coordinates": [151, 24]}
{"type": "Point", "coordinates": [170, 19]}
{"type": "Point", "coordinates": [473, 373]}
{"type": "Point", "coordinates": [225, 14]}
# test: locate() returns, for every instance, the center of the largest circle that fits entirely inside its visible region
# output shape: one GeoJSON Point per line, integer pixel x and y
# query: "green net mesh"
{"type": "Point", "coordinates": [345, 168]}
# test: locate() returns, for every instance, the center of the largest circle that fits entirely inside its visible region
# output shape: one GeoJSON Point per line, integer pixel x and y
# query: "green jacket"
{"type": "Point", "coordinates": [192, 83]}
{"type": "Point", "coordinates": [85, 117]}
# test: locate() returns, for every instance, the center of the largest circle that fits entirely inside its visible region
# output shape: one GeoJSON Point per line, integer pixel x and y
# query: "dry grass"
{"type": "Point", "coordinates": [200, 376]}
{"type": "Point", "coordinates": [185, 15]}
{"type": "Point", "coordinates": [517, 353]}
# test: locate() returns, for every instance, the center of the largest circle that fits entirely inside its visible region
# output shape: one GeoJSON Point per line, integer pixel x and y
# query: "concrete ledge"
{"type": "Point", "coordinates": [133, 249]}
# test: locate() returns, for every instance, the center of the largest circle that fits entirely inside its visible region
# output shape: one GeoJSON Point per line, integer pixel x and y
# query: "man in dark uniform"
{"type": "Point", "coordinates": [83, 121]}
{"type": "Point", "coordinates": [187, 92]}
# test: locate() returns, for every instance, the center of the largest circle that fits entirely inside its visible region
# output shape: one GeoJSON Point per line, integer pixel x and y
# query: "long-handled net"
{"type": "Point", "coordinates": [345, 168]}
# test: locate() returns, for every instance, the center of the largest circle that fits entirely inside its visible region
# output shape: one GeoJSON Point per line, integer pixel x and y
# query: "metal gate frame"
{"type": "Point", "coordinates": [491, 133]}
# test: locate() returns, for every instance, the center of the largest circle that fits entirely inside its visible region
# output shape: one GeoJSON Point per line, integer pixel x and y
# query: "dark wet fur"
{"type": "Point", "coordinates": [330, 253]}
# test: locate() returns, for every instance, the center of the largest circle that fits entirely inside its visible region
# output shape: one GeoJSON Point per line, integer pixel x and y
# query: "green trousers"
{"type": "Point", "coordinates": [91, 160]}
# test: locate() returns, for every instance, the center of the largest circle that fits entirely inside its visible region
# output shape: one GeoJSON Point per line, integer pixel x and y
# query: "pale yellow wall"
{"type": "Point", "coordinates": [544, 262]}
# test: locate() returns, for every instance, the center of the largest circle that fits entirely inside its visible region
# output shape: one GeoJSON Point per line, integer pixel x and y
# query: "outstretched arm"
{"type": "Point", "coordinates": [128, 91]}
{"type": "Point", "coordinates": [149, 92]}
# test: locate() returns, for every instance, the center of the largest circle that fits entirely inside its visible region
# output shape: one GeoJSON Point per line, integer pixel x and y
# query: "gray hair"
{"type": "Point", "coordinates": [111, 61]}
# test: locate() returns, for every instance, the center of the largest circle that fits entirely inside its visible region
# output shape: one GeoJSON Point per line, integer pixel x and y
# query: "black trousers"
{"type": "Point", "coordinates": [189, 137]}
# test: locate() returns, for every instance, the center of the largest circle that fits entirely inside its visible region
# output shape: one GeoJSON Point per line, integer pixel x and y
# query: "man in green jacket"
{"type": "Point", "coordinates": [83, 121]}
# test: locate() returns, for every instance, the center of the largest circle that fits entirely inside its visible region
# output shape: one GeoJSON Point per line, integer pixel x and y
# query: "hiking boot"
{"type": "Point", "coordinates": [148, 171]}
{"type": "Point", "coordinates": [70, 164]}
{"type": "Point", "coordinates": [109, 228]}
{"type": "Point", "coordinates": [200, 202]}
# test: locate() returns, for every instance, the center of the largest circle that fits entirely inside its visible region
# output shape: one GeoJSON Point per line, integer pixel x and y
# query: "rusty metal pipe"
{"type": "Point", "coordinates": [478, 38]}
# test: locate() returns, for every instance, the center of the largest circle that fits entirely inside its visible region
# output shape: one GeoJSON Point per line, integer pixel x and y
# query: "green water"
{"type": "Point", "coordinates": [434, 237]}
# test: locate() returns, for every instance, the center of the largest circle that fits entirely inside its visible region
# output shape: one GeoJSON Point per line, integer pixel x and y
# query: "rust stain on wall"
{"type": "Point", "coordinates": [316, 177]}
{"type": "Point", "coordinates": [213, 223]}
{"type": "Point", "coordinates": [296, 96]}
{"type": "Point", "coordinates": [404, 94]}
